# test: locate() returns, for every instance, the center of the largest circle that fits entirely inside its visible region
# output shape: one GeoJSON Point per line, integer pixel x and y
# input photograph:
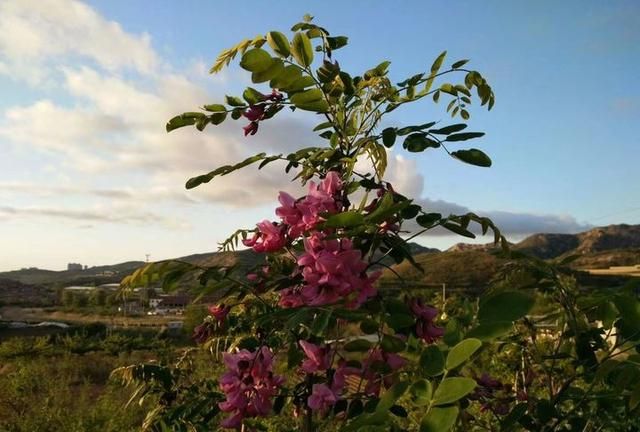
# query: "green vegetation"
{"type": "Point", "coordinates": [62, 382]}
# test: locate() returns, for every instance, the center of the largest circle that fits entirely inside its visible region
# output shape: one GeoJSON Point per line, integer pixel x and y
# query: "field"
{"type": "Point", "coordinates": [633, 270]}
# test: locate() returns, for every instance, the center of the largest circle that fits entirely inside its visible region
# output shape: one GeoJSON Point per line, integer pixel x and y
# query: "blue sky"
{"type": "Point", "coordinates": [88, 175]}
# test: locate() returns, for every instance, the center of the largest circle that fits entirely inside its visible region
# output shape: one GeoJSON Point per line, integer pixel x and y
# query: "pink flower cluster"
{"type": "Point", "coordinates": [297, 216]}
{"type": "Point", "coordinates": [269, 238]}
{"type": "Point", "coordinates": [331, 268]}
{"type": "Point", "coordinates": [303, 214]}
{"type": "Point", "coordinates": [425, 327]}
{"type": "Point", "coordinates": [332, 271]}
{"type": "Point", "coordinates": [249, 385]}
{"type": "Point", "coordinates": [379, 368]}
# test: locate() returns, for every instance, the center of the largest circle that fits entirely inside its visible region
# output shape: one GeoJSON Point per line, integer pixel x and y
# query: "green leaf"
{"type": "Point", "coordinates": [185, 119]}
{"type": "Point", "coordinates": [464, 136]}
{"type": "Point", "coordinates": [458, 230]}
{"type": "Point", "coordinates": [301, 49]}
{"type": "Point", "coordinates": [321, 126]}
{"type": "Point", "coordinates": [428, 220]}
{"type": "Point", "coordinates": [449, 129]}
{"type": "Point", "coordinates": [234, 101]}
{"type": "Point", "coordinates": [418, 142]}
{"type": "Point", "coordinates": [217, 118]}
{"type": "Point", "coordinates": [307, 96]}
{"type": "Point", "coordinates": [215, 108]}
{"type": "Point", "coordinates": [358, 345]}
{"type": "Point", "coordinates": [473, 157]}
{"type": "Point", "coordinates": [299, 83]}
{"type": "Point", "coordinates": [421, 391]}
{"type": "Point", "coordinates": [337, 42]}
{"type": "Point", "coordinates": [274, 70]}
{"type": "Point", "coordinates": [387, 208]}
{"type": "Point", "coordinates": [223, 170]}
{"type": "Point", "coordinates": [256, 60]}
{"type": "Point", "coordinates": [453, 389]}
{"type": "Point", "coordinates": [318, 106]}
{"type": "Point", "coordinates": [459, 64]}
{"type": "Point", "coordinates": [389, 137]}
{"type": "Point", "coordinates": [369, 326]}
{"type": "Point", "coordinates": [439, 419]}
{"type": "Point", "coordinates": [462, 352]}
{"type": "Point", "coordinates": [321, 321]}
{"type": "Point", "coordinates": [408, 129]}
{"type": "Point", "coordinates": [506, 306]}
{"type": "Point", "coordinates": [489, 331]}
{"type": "Point", "coordinates": [289, 75]}
{"type": "Point", "coordinates": [435, 67]}
{"type": "Point", "coordinates": [392, 344]}
{"type": "Point", "coordinates": [346, 219]}
{"type": "Point", "coordinates": [391, 396]}
{"type": "Point", "coordinates": [279, 43]}
{"type": "Point", "coordinates": [252, 96]}
{"type": "Point", "coordinates": [400, 321]}
{"type": "Point", "coordinates": [432, 361]}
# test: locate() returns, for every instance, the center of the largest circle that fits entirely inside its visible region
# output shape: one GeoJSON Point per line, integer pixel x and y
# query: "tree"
{"type": "Point", "coordinates": [98, 297]}
{"type": "Point", "coordinates": [283, 325]}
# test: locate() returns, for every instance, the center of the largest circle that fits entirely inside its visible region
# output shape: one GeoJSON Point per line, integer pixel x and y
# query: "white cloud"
{"type": "Point", "coordinates": [34, 34]}
{"type": "Point", "coordinates": [113, 128]}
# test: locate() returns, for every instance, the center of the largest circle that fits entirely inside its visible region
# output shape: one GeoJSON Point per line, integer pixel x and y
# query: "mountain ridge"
{"type": "Point", "coordinates": [598, 248]}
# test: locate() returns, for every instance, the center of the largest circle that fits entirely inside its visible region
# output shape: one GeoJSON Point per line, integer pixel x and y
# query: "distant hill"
{"type": "Point", "coordinates": [473, 265]}
{"type": "Point", "coordinates": [469, 268]}
{"type": "Point", "coordinates": [462, 264]}
{"type": "Point", "coordinates": [98, 275]}
{"type": "Point", "coordinates": [612, 239]}
{"type": "Point", "coordinates": [14, 292]}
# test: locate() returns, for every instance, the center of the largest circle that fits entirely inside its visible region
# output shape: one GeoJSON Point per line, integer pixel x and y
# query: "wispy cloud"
{"type": "Point", "coordinates": [84, 215]}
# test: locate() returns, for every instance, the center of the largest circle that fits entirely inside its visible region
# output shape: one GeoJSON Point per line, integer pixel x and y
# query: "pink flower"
{"type": "Point", "coordinates": [380, 368]}
{"type": "Point", "coordinates": [254, 112]}
{"type": "Point", "coordinates": [333, 271]}
{"type": "Point", "coordinates": [269, 238]}
{"type": "Point", "coordinates": [275, 96]}
{"type": "Point", "coordinates": [250, 129]}
{"type": "Point", "coordinates": [425, 327]}
{"type": "Point", "coordinates": [219, 312]}
{"type": "Point", "coordinates": [322, 398]}
{"type": "Point", "coordinates": [304, 214]}
{"type": "Point", "coordinates": [318, 358]}
{"type": "Point", "coordinates": [249, 385]}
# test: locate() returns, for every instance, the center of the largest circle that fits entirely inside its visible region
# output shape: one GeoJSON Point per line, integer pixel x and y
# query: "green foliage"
{"type": "Point", "coordinates": [549, 344]}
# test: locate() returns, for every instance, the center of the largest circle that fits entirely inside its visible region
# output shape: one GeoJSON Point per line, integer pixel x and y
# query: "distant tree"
{"type": "Point", "coordinates": [67, 298]}
{"type": "Point", "coordinates": [98, 298]}
{"type": "Point", "coordinates": [79, 300]}
{"type": "Point", "coordinates": [193, 317]}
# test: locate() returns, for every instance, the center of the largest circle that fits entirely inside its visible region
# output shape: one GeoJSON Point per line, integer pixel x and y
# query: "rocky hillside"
{"type": "Point", "coordinates": [597, 242]}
